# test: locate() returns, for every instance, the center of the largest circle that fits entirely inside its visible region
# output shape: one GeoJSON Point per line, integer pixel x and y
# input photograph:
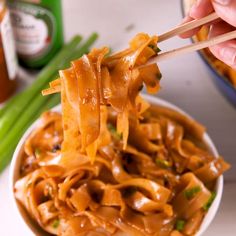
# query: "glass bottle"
{"type": "Point", "coordinates": [8, 60]}
{"type": "Point", "coordinates": [38, 30]}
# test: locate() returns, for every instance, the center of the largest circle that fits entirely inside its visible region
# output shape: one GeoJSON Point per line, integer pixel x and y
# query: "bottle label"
{"type": "Point", "coordinates": [9, 46]}
{"type": "Point", "coordinates": [33, 29]}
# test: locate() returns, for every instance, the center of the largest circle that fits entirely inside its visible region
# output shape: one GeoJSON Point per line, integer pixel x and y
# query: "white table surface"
{"type": "Point", "coordinates": [186, 83]}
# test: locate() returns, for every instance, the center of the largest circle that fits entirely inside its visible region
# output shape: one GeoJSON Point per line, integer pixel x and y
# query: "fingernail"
{"type": "Point", "coordinates": [228, 54]}
{"type": "Point", "coordinates": [223, 2]}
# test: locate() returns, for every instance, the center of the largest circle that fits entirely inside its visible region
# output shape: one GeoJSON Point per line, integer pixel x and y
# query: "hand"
{"type": "Point", "coordinates": [226, 10]}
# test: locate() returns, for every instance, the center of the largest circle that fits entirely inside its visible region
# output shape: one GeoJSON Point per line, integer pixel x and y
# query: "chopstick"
{"type": "Point", "coordinates": [192, 47]}
{"type": "Point", "coordinates": [187, 27]}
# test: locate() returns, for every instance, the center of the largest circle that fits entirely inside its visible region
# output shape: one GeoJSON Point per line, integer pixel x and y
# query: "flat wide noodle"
{"type": "Point", "coordinates": [94, 80]}
{"type": "Point", "coordinates": [138, 191]}
{"type": "Point", "coordinates": [112, 164]}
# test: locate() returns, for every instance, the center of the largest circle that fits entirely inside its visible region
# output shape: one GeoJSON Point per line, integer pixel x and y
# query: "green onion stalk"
{"type": "Point", "coordinates": [25, 108]}
{"type": "Point", "coordinates": [14, 108]}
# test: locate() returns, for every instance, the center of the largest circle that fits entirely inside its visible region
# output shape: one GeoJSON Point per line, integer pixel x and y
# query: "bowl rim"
{"type": "Point", "coordinates": [15, 164]}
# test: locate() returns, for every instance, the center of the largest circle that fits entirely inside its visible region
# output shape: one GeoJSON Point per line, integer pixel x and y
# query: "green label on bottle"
{"type": "Point", "coordinates": [38, 31]}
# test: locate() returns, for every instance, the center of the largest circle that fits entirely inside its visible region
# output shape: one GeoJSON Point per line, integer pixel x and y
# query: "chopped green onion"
{"type": "Point", "coordinates": [179, 225]}
{"type": "Point", "coordinates": [111, 127]}
{"type": "Point", "coordinates": [113, 131]}
{"type": "Point", "coordinates": [162, 163]}
{"type": "Point", "coordinates": [159, 76]}
{"type": "Point", "coordinates": [37, 152]}
{"type": "Point", "coordinates": [209, 202]}
{"type": "Point", "coordinates": [55, 223]}
{"type": "Point", "coordinates": [191, 192]}
{"type": "Point", "coordinates": [154, 48]}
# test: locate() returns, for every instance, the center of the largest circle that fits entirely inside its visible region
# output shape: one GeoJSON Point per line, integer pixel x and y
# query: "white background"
{"type": "Point", "coordinates": [186, 83]}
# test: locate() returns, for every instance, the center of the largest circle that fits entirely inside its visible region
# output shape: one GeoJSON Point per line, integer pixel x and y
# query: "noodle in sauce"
{"type": "Point", "coordinates": [111, 163]}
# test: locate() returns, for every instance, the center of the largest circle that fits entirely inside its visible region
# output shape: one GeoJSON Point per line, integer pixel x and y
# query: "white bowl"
{"type": "Point", "coordinates": [33, 228]}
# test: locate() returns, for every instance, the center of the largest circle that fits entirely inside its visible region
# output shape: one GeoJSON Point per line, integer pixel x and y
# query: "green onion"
{"type": "Point", "coordinates": [154, 48]}
{"type": "Point", "coordinates": [113, 131]}
{"type": "Point", "coordinates": [29, 104]}
{"type": "Point", "coordinates": [55, 223]}
{"type": "Point", "coordinates": [159, 76]}
{"type": "Point", "coordinates": [52, 102]}
{"type": "Point", "coordinates": [8, 104]}
{"type": "Point", "coordinates": [162, 163]}
{"type": "Point", "coordinates": [24, 120]}
{"type": "Point", "coordinates": [191, 192]}
{"type": "Point", "coordinates": [37, 152]}
{"type": "Point", "coordinates": [209, 202]}
{"type": "Point", "coordinates": [14, 108]}
{"type": "Point", "coordinates": [83, 48]}
{"type": "Point", "coordinates": [5, 158]}
{"type": "Point", "coordinates": [179, 225]}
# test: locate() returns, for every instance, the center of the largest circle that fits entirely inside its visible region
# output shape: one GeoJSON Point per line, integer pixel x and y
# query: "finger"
{"type": "Point", "coordinates": [191, 32]}
{"type": "Point", "coordinates": [226, 51]}
{"type": "Point", "coordinates": [226, 9]}
{"type": "Point", "coordinates": [201, 8]}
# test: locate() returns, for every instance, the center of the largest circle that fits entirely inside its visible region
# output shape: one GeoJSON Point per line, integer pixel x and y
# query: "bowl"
{"type": "Point", "coordinates": [222, 83]}
{"type": "Point", "coordinates": [16, 161]}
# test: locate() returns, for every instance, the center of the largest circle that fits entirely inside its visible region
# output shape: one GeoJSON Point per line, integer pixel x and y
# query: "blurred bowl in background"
{"type": "Point", "coordinates": [220, 73]}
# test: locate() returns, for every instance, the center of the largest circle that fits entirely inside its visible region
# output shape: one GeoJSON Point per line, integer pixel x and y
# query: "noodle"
{"type": "Point", "coordinates": [111, 164]}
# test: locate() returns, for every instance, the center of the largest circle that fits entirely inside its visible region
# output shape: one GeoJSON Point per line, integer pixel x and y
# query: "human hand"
{"type": "Point", "coordinates": [226, 10]}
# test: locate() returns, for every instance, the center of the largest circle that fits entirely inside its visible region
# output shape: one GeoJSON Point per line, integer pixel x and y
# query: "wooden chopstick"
{"type": "Point", "coordinates": [187, 27]}
{"type": "Point", "coordinates": [184, 28]}
{"type": "Point", "coordinates": [193, 47]}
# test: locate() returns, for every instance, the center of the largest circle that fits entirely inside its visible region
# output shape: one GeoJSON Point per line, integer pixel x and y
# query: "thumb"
{"type": "Point", "coordinates": [226, 9]}
{"type": "Point", "coordinates": [225, 51]}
